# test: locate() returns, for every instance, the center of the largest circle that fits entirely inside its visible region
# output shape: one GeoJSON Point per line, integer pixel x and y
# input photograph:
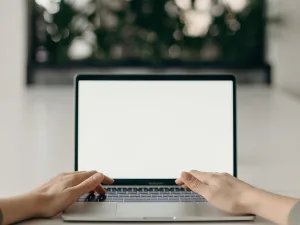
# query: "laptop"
{"type": "Point", "coordinates": [143, 131]}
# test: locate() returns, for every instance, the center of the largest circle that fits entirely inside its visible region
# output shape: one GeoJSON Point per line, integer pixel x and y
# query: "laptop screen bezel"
{"type": "Point", "coordinates": [156, 77]}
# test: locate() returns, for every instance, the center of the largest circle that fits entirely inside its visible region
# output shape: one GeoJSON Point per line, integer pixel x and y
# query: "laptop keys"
{"type": "Point", "coordinates": [101, 198]}
{"type": "Point", "coordinates": [123, 195]}
{"type": "Point", "coordinates": [159, 194]}
{"type": "Point", "coordinates": [145, 195]}
{"type": "Point", "coordinates": [163, 199]}
{"type": "Point", "coordinates": [92, 198]}
{"type": "Point", "coordinates": [134, 195]}
{"type": "Point", "coordinates": [112, 195]}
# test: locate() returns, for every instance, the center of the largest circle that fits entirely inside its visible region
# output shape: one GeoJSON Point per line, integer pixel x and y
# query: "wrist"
{"type": "Point", "coordinates": [33, 205]}
{"type": "Point", "coordinates": [250, 200]}
{"type": "Point", "coordinates": [270, 206]}
{"type": "Point", "coordinates": [18, 208]}
{"type": "Point", "coordinates": [37, 205]}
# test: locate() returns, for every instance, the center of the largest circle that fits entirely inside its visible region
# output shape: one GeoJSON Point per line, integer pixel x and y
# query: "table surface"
{"type": "Point", "coordinates": [36, 137]}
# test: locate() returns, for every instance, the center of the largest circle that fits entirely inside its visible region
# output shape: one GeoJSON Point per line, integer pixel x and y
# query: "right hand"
{"type": "Point", "coordinates": [220, 189]}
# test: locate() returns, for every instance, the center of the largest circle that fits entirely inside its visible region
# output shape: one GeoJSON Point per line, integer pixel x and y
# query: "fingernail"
{"type": "Point", "coordinates": [186, 176]}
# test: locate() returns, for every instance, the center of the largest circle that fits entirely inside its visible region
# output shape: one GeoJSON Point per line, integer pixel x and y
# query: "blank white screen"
{"type": "Point", "coordinates": [155, 129]}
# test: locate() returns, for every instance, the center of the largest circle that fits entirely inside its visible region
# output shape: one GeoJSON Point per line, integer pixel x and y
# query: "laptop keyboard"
{"type": "Point", "coordinates": [160, 194]}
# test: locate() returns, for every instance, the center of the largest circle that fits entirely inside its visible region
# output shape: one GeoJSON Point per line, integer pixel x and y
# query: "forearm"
{"type": "Point", "coordinates": [17, 209]}
{"type": "Point", "coordinates": [270, 206]}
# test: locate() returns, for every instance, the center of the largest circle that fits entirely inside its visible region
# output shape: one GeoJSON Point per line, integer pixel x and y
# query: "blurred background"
{"type": "Point", "coordinates": [191, 35]}
{"type": "Point", "coordinates": [43, 43]}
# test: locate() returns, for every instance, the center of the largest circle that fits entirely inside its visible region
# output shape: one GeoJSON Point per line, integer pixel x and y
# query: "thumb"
{"type": "Point", "coordinates": [88, 185]}
{"type": "Point", "coordinates": [194, 184]}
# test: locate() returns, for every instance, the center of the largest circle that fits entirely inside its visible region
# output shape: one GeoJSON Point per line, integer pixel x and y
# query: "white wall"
{"type": "Point", "coordinates": [284, 47]}
{"type": "Point", "coordinates": [12, 47]}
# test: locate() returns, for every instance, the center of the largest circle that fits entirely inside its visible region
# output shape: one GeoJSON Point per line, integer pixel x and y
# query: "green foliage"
{"type": "Point", "coordinates": [144, 30]}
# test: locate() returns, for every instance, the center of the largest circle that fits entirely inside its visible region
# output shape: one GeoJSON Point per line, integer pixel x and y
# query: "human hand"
{"type": "Point", "coordinates": [52, 197]}
{"type": "Point", "coordinates": [63, 190]}
{"type": "Point", "coordinates": [221, 190]}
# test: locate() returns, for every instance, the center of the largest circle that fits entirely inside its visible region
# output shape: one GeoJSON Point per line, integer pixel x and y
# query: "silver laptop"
{"type": "Point", "coordinates": [143, 131]}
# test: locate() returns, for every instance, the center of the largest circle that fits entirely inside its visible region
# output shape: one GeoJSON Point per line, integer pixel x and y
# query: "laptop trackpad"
{"type": "Point", "coordinates": [157, 210]}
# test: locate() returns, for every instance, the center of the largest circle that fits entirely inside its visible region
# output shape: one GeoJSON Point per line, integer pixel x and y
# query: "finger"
{"type": "Point", "coordinates": [74, 172]}
{"type": "Point", "coordinates": [204, 177]}
{"type": "Point", "coordinates": [76, 178]}
{"type": "Point", "coordinates": [185, 187]}
{"type": "Point", "coordinates": [100, 190]}
{"type": "Point", "coordinates": [181, 183]}
{"type": "Point", "coordinates": [80, 177]}
{"type": "Point", "coordinates": [87, 185]}
{"type": "Point", "coordinates": [178, 181]}
{"type": "Point", "coordinates": [107, 180]}
{"type": "Point", "coordinates": [194, 184]}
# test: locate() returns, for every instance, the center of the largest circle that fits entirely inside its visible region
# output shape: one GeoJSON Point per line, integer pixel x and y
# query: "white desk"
{"type": "Point", "coordinates": [36, 136]}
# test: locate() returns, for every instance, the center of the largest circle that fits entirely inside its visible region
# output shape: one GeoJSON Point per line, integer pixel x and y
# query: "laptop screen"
{"type": "Point", "coordinates": [155, 129]}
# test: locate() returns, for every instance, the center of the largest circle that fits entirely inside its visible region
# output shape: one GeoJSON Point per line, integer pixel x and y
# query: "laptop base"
{"type": "Point", "coordinates": [145, 211]}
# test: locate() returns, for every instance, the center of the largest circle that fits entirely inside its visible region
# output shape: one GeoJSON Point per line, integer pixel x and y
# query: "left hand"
{"type": "Point", "coordinates": [63, 190]}
{"type": "Point", "coordinates": [52, 197]}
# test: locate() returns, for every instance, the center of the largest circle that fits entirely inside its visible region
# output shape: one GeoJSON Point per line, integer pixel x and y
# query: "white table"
{"type": "Point", "coordinates": [36, 136]}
